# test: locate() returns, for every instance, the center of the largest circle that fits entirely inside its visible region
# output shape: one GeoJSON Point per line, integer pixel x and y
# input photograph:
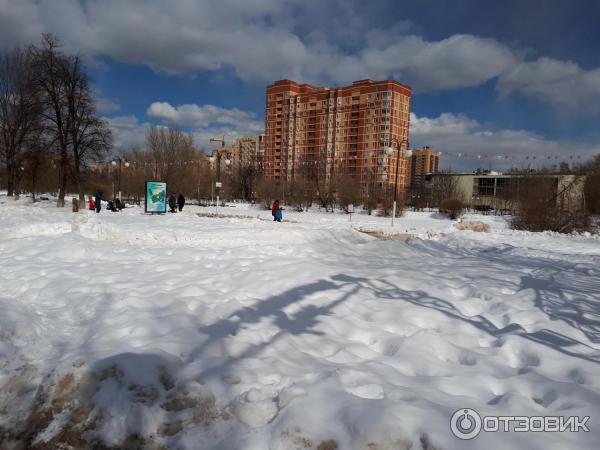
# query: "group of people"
{"type": "Point", "coordinates": [174, 204]}
{"type": "Point", "coordinates": [95, 203]}
{"type": "Point", "coordinates": [178, 202]}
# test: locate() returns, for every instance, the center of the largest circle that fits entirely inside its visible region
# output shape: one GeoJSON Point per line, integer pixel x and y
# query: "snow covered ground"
{"type": "Point", "coordinates": [189, 332]}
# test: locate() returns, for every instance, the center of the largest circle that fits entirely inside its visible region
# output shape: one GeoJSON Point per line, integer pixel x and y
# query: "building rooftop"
{"type": "Point", "coordinates": [357, 83]}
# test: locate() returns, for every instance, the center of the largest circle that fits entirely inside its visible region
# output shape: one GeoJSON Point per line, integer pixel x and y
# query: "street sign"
{"type": "Point", "coordinates": [350, 208]}
{"type": "Point", "coordinates": [218, 184]}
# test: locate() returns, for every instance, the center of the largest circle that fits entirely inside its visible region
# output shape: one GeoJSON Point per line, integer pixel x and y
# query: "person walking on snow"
{"type": "Point", "coordinates": [279, 215]}
{"type": "Point", "coordinates": [180, 202]}
{"type": "Point", "coordinates": [172, 203]}
{"type": "Point", "coordinates": [274, 209]}
{"type": "Point", "coordinates": [91, 205]}
{"type": "Point", "coordinates": [98, 201]}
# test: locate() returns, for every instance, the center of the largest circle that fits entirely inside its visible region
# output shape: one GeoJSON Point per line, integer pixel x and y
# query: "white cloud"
{"type": "Point", "coordinates": [127, 131]}
{"type": "Point", "coordinates": [204, 116]}
{"type": "Point", "coordinates": [202, 121]}
{"type": "Point", "coordinates": [458, 61]}
{"type": "Point", "coordinates": [258, 39]}
{"type": "Point", "coordinates": [460, 134]}
{"type": "Point", "coordinates": [446, 124]}
{"type": "Point", "coordinates": [562, 83]}
{"type": "Point", "coordinates": [105, 104]}
{"type": "Point", "coordinates": [307, 40]}
{"type": "Point", "coordinates": [207, 121]}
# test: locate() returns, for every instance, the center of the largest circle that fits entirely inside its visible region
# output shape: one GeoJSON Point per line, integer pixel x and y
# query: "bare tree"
{"type": "Point", "coordinates": [35, 163]}
{"type": "Point", "coordinates": [444, 186]}
{"type": "Point", "coordinates": [90, 137]}
{"type": "Point", "coordinates": [545, 203]}
{"type": "Point", "coordinates": [75, 133]}
{"type": "Point", "coordinates": [348, 190]}
{"type": "Point", "coordinates": [319, 177]}
{"type": "Point", "coordinates": [49, 69]}
{"type": "Point", "coordinates": [267, 190]}
{"type": "Point", "coordinates": [168, 149]}
{"type": "Point", "coordinates": [19, 112]}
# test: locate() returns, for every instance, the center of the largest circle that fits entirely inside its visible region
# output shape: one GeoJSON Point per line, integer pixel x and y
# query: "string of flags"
{"type": "Point", "coordinates": [350, 159]}
{"type": "Point", "coordinates": [526, 157]}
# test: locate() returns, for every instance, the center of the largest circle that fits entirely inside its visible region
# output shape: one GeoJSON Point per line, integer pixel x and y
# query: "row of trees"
{"type": "Point", "coordinates": [170, 156]}
{"type": "Point", "coordinates": [48, 118]}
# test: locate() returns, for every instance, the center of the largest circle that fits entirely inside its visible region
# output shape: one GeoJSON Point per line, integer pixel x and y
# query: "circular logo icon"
{"type": "Point", "coordinates": [465, 423]}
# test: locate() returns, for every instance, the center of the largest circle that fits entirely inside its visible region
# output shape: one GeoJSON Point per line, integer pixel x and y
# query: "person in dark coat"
{"type": "Point", "coordinates": [274, 209]}
{"type": "Point", "coordinates": [172, 203]}
{"type": "Point", "coordinates": [119, 205]}
{"type": "Point", "coordinates": [180, 202]}
{"type": "Point", "coordinates": [98, 201]}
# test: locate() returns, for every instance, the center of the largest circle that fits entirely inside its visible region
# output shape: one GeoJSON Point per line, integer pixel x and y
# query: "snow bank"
{"type": "Point", "coordinates": [240, 333]}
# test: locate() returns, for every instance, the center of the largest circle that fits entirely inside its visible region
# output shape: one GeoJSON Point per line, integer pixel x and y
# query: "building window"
{"type": "Point", "coordinates": [485, 186]}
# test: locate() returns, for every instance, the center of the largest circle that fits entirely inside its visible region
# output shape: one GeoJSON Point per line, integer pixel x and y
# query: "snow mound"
{"type": "Point", "coordinates": [188, 332]}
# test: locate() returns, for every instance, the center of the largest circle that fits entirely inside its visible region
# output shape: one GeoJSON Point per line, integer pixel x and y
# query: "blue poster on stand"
{"type": "Point", "coordinates": [156, 197]}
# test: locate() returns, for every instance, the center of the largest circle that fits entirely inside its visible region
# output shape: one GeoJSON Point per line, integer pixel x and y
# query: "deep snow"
{"type": "Point", "coordinates": [240, 333]}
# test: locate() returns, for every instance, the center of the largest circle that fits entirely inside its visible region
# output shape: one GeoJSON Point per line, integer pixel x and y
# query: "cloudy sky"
{"type": "Point", "coordinates": [496, 78]}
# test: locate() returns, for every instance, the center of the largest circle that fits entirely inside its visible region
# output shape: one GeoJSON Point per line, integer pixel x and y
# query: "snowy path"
{"type": "Point", "coordinates": [241, 333]}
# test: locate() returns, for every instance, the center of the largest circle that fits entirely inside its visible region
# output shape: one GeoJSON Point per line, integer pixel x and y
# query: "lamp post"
{"type": "Point", "coordinates": [217, 159]}
{"type": "Point", "coordinates": [401, 154]}
{"type": "Point", "coordinates": [120, 161]}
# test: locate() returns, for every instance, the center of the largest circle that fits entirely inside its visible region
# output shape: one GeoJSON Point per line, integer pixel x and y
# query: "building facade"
{"type": "Point", "coordinates": [420, 163]}
{"type": "Point", "coordinates": [248, 151]}
{"type": "Point", "coordinates": [337, 131]}
{"type": "Point", "coordinates": [502, 191]}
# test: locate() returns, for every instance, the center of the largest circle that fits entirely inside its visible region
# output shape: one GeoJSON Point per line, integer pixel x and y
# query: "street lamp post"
{"type": "Point", "coordinates": [217, 159]}
{"type": "Point", "coordinates": [121, 162]}
{"type": "Point", "coordinates": [390, 151]}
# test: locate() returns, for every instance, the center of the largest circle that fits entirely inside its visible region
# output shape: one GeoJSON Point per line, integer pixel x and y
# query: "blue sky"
{"type": "Point", "coordinates": [499, 78]}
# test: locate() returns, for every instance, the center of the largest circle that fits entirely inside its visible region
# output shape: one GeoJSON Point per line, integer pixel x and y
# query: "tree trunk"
{"type": "Point", "coordinates": [10, 181]}
{"type": "Point", "coordinates": [77, 180]}
{"type": "Point", "coordinates": [62, 182]}
{"type": "Point", "coordinates": [11, 177]}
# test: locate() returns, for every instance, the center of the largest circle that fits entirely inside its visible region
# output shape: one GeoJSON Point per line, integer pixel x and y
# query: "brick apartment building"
{"type": "Point", "coordinates": [245, 151]}
{"type": "Point", "coordinates": [343, 130]}
{"type": "Point", "coordinates": [248, 151]}
{"type": "Point", "coordinates": [420, 163]}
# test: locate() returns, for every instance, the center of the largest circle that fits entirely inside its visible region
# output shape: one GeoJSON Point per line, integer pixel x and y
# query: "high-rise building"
{"type": "Point", "coordinates": [420, 163]}
{"type": "Point", "coordinates": [248, 151]}
{"type": "Point", "coordinates": [343, 130]}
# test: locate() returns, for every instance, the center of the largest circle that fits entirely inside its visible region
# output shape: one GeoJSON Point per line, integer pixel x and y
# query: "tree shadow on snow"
{"type": "Point", "coordinates": [301, 322]}
{"type": "Point", "coordinates": [581, 310]}
{"type": "Point", "coordinates": [549, 338]}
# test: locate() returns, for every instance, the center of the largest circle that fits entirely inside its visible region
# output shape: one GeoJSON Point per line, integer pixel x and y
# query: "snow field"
{"type": "Point", "coordinates": [239, 333]}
